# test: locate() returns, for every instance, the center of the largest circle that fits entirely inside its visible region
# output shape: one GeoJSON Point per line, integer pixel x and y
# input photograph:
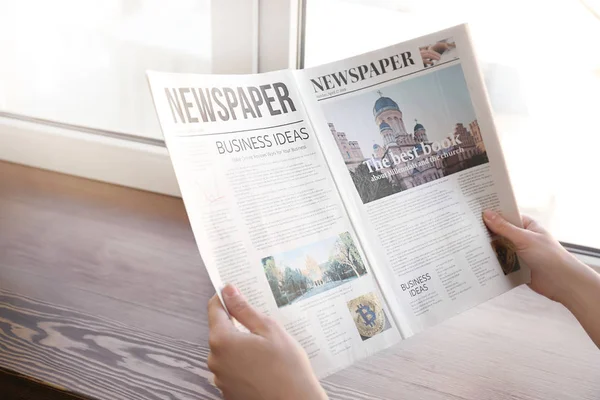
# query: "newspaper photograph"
{"type": "Point", "coordinates": [309, 270]}
{"type": "Point", "coordinates": [407, 134]}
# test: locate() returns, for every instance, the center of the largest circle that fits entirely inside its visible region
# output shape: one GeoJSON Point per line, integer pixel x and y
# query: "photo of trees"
{"type": "Point", "coordinates": [304, 272]}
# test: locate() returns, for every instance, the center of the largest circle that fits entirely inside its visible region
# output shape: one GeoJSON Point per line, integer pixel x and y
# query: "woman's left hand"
{"type": "Point", "coordinates": [263, 364]}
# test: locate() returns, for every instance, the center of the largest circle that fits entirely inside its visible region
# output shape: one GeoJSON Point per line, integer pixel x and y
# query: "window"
{"type": "Point", "coordinates": [73, 70]}
{"type": "Point", "coordinates": [84, 63]}
{"type": "Point", "coordinates": [543, 82]}
{"type": "Point", "coordinates": [72, 76]}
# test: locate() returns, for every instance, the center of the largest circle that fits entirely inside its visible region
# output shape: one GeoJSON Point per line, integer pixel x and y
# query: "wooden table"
{"type": "Point", "coordinates": [103, 294]}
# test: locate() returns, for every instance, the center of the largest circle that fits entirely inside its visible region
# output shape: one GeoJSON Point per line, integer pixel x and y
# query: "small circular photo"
{"type": "Point", "coordinates": [368, 315]}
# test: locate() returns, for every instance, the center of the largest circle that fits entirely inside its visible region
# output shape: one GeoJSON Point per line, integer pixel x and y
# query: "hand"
{"type": "Point", "coordinates": [264, 364]}
{"type": "Point", "coordinates": [555, 272]}
{"type": "Point", "coordinates": [429, 56]}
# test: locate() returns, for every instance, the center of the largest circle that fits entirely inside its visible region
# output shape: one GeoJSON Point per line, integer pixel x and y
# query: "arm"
{"type": "Point", "coordinates": [584, 301]}
{"type": "Point", "coordinates": [555, 273]}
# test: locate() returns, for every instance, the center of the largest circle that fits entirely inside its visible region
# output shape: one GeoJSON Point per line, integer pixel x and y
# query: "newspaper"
{"type": "Point", "coordinates": [345, 200]}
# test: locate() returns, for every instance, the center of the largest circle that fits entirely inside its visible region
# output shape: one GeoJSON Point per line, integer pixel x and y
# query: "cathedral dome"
{"type": "Point", "coordinates": [383, 126]}
{"type": "Point", "coordinates": [383, 104]}
{"type": "Point", "coordinates": [418, 126]}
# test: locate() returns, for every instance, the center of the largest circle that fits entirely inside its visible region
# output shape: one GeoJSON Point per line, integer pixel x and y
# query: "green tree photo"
{"type": "Point", "coordinates": [313, 269]}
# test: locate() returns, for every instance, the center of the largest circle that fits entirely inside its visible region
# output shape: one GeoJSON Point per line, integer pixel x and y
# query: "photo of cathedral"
{"type": "Point", "coordinates": [385, 157]}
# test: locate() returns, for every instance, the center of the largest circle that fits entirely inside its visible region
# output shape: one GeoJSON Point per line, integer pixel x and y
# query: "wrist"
{"type": "Point", "coordinates": [582, 283]}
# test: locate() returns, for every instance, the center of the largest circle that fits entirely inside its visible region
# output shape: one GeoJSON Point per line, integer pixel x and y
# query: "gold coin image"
{"type": "Point", "coordinates": [506, 254]}
{"type": "Point", "coordinates": [368, 315]}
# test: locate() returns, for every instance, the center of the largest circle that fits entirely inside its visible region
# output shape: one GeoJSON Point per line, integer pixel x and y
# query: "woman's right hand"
{"type": "Point", "coordinates": [554, 271]}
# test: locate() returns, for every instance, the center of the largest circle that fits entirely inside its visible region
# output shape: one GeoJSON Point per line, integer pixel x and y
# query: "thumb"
{"type": "Point", "coordinates": [241, 310]}
{"type": "Point", "coordinates": [497, 224]}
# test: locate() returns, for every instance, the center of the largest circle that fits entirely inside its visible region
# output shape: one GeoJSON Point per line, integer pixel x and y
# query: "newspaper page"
{"type": "Point", "coordinates": [409, 137]}
{"type": "Point", "coordinates": [266, 213]}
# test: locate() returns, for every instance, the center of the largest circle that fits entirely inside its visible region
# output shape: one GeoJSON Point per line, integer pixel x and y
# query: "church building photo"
{"type": "Point", "coordinates": [384, 157]}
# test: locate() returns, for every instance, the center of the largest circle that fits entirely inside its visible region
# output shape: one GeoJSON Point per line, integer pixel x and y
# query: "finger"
{"type": "Point", "coordinates": [532, 225]}
{"type": "Point", "coordinates": [527, 220]}
{"type": "Point", "coordinates": [497, 224]}
{"type": "Point", "coordinates": [218, 320]}
{"type": "Point", "coordinates": [240, 309]}
{"type": "Point", "coordinates": [432, 54]}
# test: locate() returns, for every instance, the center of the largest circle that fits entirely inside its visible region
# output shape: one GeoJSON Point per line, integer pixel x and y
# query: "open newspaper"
{"type": "Point", "coordinates": [345, 200]}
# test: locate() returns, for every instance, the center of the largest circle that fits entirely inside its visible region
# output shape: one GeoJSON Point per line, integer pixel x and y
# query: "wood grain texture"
{"type": "Point", "coordinates": [76, 350]}
{"type": "Point", "coordinates": [19, 387]}
{"type": "Point", "coordinates": [103, 293]}
{"type": "Point", "coordinates": [92, 355]}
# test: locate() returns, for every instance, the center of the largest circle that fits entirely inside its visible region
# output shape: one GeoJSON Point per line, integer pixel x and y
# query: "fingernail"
{"type": "Point", "coordinates": [489, 215]}
{"type": "Point", "coordinates": [230, 291]}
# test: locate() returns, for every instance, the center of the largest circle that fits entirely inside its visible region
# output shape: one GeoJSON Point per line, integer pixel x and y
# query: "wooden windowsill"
{"type": "Point", "coordinates": [103, 294]}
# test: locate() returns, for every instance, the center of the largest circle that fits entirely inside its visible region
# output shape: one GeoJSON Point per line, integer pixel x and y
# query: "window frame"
{"type": "Point", "coordinates": [585, 254]}
{"type": "Point", "coordinates": [258, 45]}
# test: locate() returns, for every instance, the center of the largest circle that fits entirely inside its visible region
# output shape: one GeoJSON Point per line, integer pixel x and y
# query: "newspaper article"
{"type": "Point", "coordinates": [410, 140]}
{"type": "Point", "coordinates": [345, 200]}
{"type": "Point", "coordinates": [266, 212]}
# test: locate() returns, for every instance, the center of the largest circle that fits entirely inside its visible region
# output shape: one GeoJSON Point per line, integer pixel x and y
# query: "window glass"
{"type": "Point", "coordinates": [542, 72]}
{"type": "Point", "coordinates": [84, 62]}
